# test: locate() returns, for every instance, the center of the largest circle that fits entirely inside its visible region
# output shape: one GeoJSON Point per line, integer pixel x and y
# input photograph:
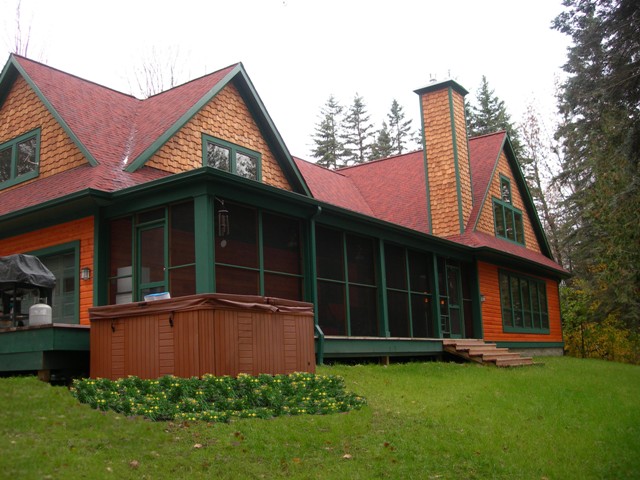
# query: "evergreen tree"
{"type": "Point", "coordinates": [329, 149]}
{"type": "Point", "coordinates": [399, 127]}
{"type": "Point", "coordinates": [600, 141]}
{"type": "Point", "coordinates": [358, 134]}
{"type": "Point", "coordinates": [383, 147]}
{"type": "Point", "coordinates": [490, 115]}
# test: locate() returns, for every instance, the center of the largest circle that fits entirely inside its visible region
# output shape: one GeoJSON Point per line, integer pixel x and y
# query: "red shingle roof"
{"type": "Point", "coordinates": [111, 127]}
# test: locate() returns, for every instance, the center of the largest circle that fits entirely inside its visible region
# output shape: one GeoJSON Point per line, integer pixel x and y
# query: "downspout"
{"type": "Point", "coordinates": [313, 275]}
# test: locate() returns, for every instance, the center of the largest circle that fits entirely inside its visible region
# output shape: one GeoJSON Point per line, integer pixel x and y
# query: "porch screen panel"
{"type": "Point", "coordinates": [421, 287]}
{"type": "Point", "coordinates": [237, 259]}
{"type": "Point", "coordinates": [363, 300]}
{"type": "Point", "coordinates": [397, 291]}
{"type": "Point", "coordinates": [182, 250]}
{"type": "Point", "coordinates": [331, 284]}
{"type": "Point", "coordinates": [281, 250]}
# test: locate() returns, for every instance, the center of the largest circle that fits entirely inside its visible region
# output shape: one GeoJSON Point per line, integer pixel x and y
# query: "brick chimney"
{"type": "Point", "coordinates": [446, 154]}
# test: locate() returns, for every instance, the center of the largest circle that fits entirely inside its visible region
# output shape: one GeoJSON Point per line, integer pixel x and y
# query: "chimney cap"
{"type": "Point", "coordinates": [433, 87]}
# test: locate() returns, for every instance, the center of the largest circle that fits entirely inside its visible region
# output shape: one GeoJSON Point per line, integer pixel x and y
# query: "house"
{"type": "Point", "coordinates": [194, 191]}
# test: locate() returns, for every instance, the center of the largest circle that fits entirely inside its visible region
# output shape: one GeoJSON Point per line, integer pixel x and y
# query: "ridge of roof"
{"type": "Point", "coordinates": [377, 160]}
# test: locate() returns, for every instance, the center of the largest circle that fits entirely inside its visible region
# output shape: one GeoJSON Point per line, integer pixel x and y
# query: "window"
{"type": "Point", "coordinates": [524, 304]}
{"type": "Point", "coordinates": [507, 218]}
{"type": "Point", "coordinates": [231, 158]}
{"type": "Point", "coordinates": [19, 159]}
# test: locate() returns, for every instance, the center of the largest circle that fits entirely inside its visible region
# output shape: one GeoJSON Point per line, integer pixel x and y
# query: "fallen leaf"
{"type": "Point", "coordinates": [295, 460]}
{"type": "Point", "coordinates": [347, 456]}
{"type": "Point", "coordinates": [197, 445]}
{"type": "Point", "coordinates": [134, 463]}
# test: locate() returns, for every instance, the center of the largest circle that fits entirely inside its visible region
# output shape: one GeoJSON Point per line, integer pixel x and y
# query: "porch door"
{"type": "Point", "coordinates": [452, 313]}
{"type": "Point", "coordinates": [152, 262]}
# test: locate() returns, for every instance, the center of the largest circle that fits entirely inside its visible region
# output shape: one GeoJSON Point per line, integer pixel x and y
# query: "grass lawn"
{"type": "Point", "coordinates": [567, 419]}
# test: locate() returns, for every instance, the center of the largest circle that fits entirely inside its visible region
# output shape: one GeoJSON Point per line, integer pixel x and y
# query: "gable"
{"type": "Point", "coordinates": [226, 117]}
{"type": "Point", "coordinates": [21, 112]}
{"type": "Point", "coordinates": [486, 223]}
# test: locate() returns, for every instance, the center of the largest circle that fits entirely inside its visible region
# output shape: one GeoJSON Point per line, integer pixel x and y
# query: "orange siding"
{"type": "Point", "coordinates": [486, 222]}
{"type": "Point", "coordinates": [77, 230]}
{"type": "Point", "coordinates": [21, 112]}
{"type": "Point", "coordinates": [225, 117]}
{"type": "Point", "coordinates": [492, 312]}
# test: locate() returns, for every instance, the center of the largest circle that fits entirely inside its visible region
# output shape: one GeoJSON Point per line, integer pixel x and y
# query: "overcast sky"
{"type": "Point", "coordinates": [298, 52]}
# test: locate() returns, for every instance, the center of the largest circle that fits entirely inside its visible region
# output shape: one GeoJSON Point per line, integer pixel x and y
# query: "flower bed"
{"type": "Point", "coordinates": [218, 399]}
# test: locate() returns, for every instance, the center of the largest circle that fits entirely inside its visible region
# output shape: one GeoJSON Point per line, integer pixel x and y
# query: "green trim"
{"type": "Point", "coordinates": [488, 190]}
{"type": "Point", "coordinates": [14, 178]}
{"type": "Point", "coordinates": [343, 347]}
{"type": "Point", "coordinates": [508, 323]}
{"type": "Point", "coordinates": [530, 344]}
{"type": "Point", "coordinates": [508, 209]}
{"type": "Point", "coordinates": [478, 324]}
{"type": "Point", "coordinates": [442, 85]}
{"type": "Point", "coordinates": [426, 168]}
{"type": "Point", "coordinates": [532, 211]}
{"type": "Point", "coordinates": [455, 160]}
{"type": "Point", "coordinates": [141, 159]}
{"type": "Point", "coordinates": [53, 111]}
{"type": "Point", "coordinates": [383, 306]}
{"type": "Point", "coordinates": [204, 215]}
{"type": "Point", "coordinates": [100, 259]}
{"type": "Point", "coordinates": [436, 296]}
{"type": "Point", "coordinates": [234, 150]}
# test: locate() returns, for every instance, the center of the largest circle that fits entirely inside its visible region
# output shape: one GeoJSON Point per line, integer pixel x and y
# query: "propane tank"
{"type": "Point", "coordinates": [40, 314]}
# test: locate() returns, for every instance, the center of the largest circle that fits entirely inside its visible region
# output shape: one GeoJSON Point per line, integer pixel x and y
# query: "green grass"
{"type": "Point", "coordinates": [567, 419]}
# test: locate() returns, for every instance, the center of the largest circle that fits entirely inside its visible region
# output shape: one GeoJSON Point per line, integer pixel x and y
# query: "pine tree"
{"type": "Point", "coordinates": [399, 127]}
{"type": "Point", "coordinates": [600, 141]}
{"type": "Point", "coordinates": [329, 149]}
{"type": "Point", "coordinates": [383, 146]}
{"type": "Point", "coordinates": [358, 134]}
{"type": "Point", "coordinates": [489, 115]}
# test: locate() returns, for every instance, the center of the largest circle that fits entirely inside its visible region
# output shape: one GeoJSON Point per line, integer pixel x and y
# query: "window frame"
{"type": "Point", "coordinates": [539, 317]}
{"type": "Point", "coordinates": [508, 212]}
{"type": "Point", "coordinates": [234, 150]}
{"type": "Point", "coordinates": [12, 144]}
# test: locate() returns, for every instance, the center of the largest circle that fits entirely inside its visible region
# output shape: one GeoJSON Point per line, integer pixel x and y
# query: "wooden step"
{"type": "Point", "coordinates": [478, 351]}
{"type": "Point", "coordinates": [517, 362]}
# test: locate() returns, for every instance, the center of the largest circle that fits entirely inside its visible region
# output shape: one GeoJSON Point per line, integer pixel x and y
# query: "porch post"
{"type": "Point", "coordinates": [205, 238]}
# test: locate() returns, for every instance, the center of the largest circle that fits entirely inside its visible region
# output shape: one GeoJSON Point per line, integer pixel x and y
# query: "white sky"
{"type": "Point", "coordinates": [299, 52]}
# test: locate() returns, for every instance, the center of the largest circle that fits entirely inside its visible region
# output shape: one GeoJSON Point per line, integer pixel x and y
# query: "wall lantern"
{"type": "Point", "coordinates": [482, 298]}
{"type": "Point", "coordinates": [85, 273]}
{"type": "Point", "coordinates": [224, 228]}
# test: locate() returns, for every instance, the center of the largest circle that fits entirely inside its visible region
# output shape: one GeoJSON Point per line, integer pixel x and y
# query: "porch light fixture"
{"type": "Point", "coordinates": [224, 227]}
{"type": "Point", "coordinates": [482, 298]}
{"type": "Point", "coordinates": [85, 273]}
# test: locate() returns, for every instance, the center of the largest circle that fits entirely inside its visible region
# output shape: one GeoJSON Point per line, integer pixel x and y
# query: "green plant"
{"type": "Point", "coordinates": [217, 399]}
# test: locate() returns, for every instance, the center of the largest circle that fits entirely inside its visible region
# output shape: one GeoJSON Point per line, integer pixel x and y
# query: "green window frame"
{"type": "Point", "coordinates": [64, 262]}
{"type": "Point", "coordinates": [508, 220]}
{"type": "Point", "coordinates": [231, 158]}
{"type": "Point", "coordinates": [20, 159]}
{"type": "Point", "coordinates": [523, 302]}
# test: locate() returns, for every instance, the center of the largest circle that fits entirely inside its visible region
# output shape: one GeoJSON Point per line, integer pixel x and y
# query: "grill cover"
{"type": "Point", "coordinates": [24, 271]}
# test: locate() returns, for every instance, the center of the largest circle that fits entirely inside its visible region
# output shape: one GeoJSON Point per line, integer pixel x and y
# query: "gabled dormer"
{"type": "Point", "coordinates": [503, 205]}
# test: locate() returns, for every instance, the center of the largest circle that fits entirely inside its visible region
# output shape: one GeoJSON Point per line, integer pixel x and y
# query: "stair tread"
{"type": "Point", "coordinates": [477, 350]}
